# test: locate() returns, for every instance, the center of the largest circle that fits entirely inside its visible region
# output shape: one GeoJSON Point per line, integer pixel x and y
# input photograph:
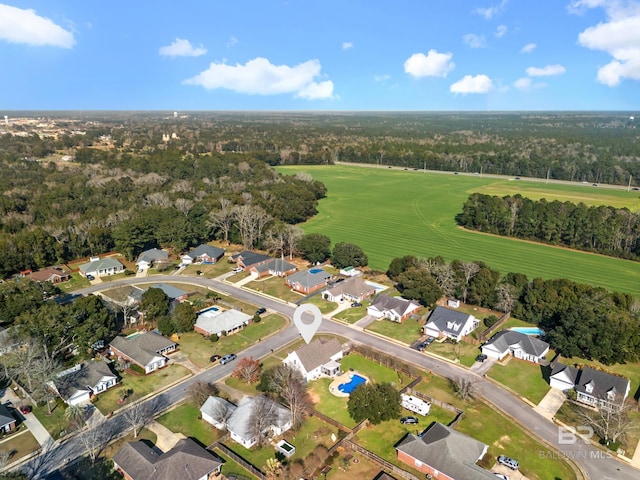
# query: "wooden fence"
{"type": "Point", "coordinates": [486, 333]}
{"type": "Point", "coordinates": [240, 460]}
{"type": "Point", "coordinates": [388, 466]}
{"type": "Point", "coordinates": [329, 420]}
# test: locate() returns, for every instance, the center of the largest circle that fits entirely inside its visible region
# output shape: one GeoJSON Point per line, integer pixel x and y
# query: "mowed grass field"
{"type": "Point", "coordinates": [391, 213]}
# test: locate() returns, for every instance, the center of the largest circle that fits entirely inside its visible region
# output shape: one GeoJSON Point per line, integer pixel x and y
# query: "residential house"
{"type": "Point", "coordinates": [444, 453]}
{"type": "Point", "coordinates": [174, 293]}
{"type": "Point", "coordinates": [317, 359]}
{"type": "Point", "coordinates": [77, 385]}
{"type": "Point", "coordinates": [187, 460]}
{"type": "Point", "coordinates": [593, 387]}
{"type": "Point", "coordinates": [276, 267]}
{"type": "Point", "coordinates": [354, 289]}
{"type": "Point", "coordinates": [54, 275]}
{"type": "Point", "coordinates": [350, 271]}
{"type": "Point", "coordinates": [395, 309]}
{"type": "Point", "coordinates": [147, 350]}
{"type": "Point", "coordinates": [383, 476]}
{"type": "Point", "coordinates": [152, 257]}
{"type": "Point", "coordinates": [7, 420]}
{"type": "Point", "coordinates": [248, 259]}
{"type": "Point", "coordinates": [519, 345]}
{"type": "Point", "coordinates": [202, 254]}
{"type": "Point", "coordinates": [212, 321]}
{"type": "Point", "coordinates": [101, 267]}
{"type": "Point", "coordinates": [444, 322]}
{"type": "Point", "coordinates": [308, 281]}
{"type": "Point", "coordinates": [239, 420]}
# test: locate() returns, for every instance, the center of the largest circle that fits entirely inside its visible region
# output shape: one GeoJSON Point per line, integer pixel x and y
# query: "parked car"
{"type": "Point", "coordinates": [502, 476]}
{"type": "Point", "coordinates": [228, 358]}
{"type": "Point", "coordinates": [215, 358]}
{"type": "Point", "coordinates": [261, 310]}
{"type": "Point", "coordinates": [430, 340]}
{"type": "Point", "coordinates": [481, 358]}
{"type": "Point", "coordinates": [25, 409]}
{"type": "Point", "coordinates": [356, 304]}
{"type": "Point", "coordinates": [508, 462]}
{"type": "Point", "coordinates": [237, 270]}
{"type": "Point", "coordinates": [421, 347]}
{"type": "Point", "coordinates": [409, 420]}
{"type": "Point", "coordinates": [90, 277]}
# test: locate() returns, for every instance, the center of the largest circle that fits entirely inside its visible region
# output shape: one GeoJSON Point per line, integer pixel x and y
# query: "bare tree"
{"type": "Point", "coordinates": [222, 411]}
{"type": "Point", "coordinates": [276, 240]}
{"type": "Point", "coordinates": [247, 369]}
{"type": "Point", "coordinates": [465, 388]}
{"type": "Point", "coordinates": [445, 278]}
{"type": "Point", "coordinates": [611, 424]}
{"type": "Point", "coordinates": [288, 383]}
{"type": "Point", "coordinates": [95, 438]}
{"type": "Point", "coordinates": [292, 235]}
{"type": "Point", "coordinates": [137, 416]}
{"type": "Point", "coordinates": [223, 219]}
{"type": "Point", "coordinates": [199, 392]}
{"type": "Point", "coordinates": [263, 416]}
{"type": "Point", "coordinates": [157, 199]}
{"type": "Point", "coordinates": [123, 302]}
{"type": "Point", "coordinates": [251, 220]}
{"type": "Point", "coordinates": [506, 297]}
{"type": "Point", "coordinates": [183, 205]}
{"type": "Point", "coordinates": [469, 270]}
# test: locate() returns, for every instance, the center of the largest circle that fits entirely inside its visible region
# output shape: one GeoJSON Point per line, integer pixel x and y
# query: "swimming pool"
{"type": "Point", "coordinates": [213, 310]}
{"type": "Point", "coordinates": [379, 288]}
{"type": "Point", "coordinates": [352, 384]}
{"type": "Point", "coordinates": [528, 330]}
{"type": "Point", "coordinates": [315, 270]}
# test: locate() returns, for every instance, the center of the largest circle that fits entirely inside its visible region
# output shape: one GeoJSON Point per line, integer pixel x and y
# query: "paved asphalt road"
{"type": "Point", "coordinates": [595, 463]}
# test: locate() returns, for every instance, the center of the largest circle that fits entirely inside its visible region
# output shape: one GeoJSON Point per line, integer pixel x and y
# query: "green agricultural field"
{"type": "Point", "coordinates": [391, 213]}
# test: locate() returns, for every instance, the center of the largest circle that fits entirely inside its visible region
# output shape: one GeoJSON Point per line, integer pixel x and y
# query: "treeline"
{"type": "Point", "coordinates": [578, 320]}
{"type": "Point", "coordinates": [603, 229]}
{"type": "Point", "coordinates": [56, 212]}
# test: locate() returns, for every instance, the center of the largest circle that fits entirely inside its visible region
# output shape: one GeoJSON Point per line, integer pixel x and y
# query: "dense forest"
{"type": "Point", "coordinates": [607, 230]}
{"type": "Point", "coordinates": [578, 320]}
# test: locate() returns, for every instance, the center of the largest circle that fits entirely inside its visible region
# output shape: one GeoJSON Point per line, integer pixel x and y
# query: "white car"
{"type": "Point", "coordinates": [502, 476]}
{"type": "Point", "coordinates": [238, 270]}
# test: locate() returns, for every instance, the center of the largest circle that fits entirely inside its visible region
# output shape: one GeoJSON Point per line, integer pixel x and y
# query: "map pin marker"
{"type": "Point", "coordinates": [307, 329]}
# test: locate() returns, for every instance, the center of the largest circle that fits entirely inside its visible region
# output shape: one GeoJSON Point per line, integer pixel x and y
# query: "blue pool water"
{"type": "Point", "coordinates": [315, 270]}
{"type": "Point", "coordinates": [210, 309]}
{"type": "Point", "coordinates": [528, 330]}
{"type": "Point", "coordinates": [378, 287]}
{"type": "Point", "coordinates": [351, 386]}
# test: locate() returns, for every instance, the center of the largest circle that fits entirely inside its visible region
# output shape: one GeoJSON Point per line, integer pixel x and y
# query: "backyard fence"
{"type": "Point", "coordinates": [486, 333]}
{"type": "Point", "coordinates": [240, 460]}
{"type": "Point", "coordinates": [329, 420]}
{"type": "Point", "coordinates": [388, 466]}
{"type": "Point", "coordinates": [434, 401]}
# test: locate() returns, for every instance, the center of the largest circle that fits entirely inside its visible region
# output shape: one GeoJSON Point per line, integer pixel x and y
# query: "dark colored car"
{"type": "Point", "coordinates": [228, 358]}
{"type": "Point", "coordinates": [90, 277]}
{"type": "Point", "coordinates": [409, 420]}
{"type": "Point", "coordinates": [215, 358]}
{"type": "Point", "coordinates": [25, 409]}
{"type": "Point", "coordinates": [481, 358]}
{"type": "Point", "coordinates": [261, 310]}
{"type": "Point", "coordinates": [356, 304]}
{"type": "Point", "coordinates": [421, 346]}
{"type": "Point", "coordinates": [430, 340]}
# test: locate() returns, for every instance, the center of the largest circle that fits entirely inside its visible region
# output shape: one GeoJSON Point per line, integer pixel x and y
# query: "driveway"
{"type": "Point", "coordinates": [551, 403]}
{"type": "Point", "coordinates": [30, 420]}
{"type": "Point", "coordinates": [481, 368]}
{"type": "Point", "coordinates": [166, 439]}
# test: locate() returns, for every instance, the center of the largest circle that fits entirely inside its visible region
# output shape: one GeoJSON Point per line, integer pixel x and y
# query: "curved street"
{"type": "Point", "coordinates": [595, 463]}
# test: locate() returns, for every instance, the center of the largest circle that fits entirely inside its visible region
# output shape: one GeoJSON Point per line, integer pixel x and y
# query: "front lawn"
{"type": "Point", "coordinates": [141, 385]}
{"type": "Point", "coordinates": [250, 334]}
{"type": "Point", "coordinates": [325, 306]}
{"type": "Point", "coordinates": [522, 377]}
{"type": "Point", "coordinates": [19, 445]}
{"type": "Point", "coordinates": [198, 348]}
{"type": "Point", "coordinates": [56, 423]}
{"type": "Point", "coordinates": [462, 351]}
{"type": "Point", "coordinates": [185, 419]}
{"type": "Point", "coordinates": [406, 332]}
{"type": "Point", "coordinates": [276, 287]}
{"type": "Point", "coordinates": [76, 282]}
{"type": "Point", "coordinates": [209, 270]}
{"type": "Point", "coordinates": [377, 373]}
{"type": "Point", "coordinates": [351, 315]}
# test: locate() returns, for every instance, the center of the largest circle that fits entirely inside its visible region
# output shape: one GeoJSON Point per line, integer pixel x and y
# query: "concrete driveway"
{"type": "Point", "coordinates": [483, 367]}
{"type": "Point", "coordinates": [551, 403]}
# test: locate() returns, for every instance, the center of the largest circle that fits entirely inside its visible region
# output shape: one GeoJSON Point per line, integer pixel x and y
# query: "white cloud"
{"type": "Point", "coordinates": [381, 78]}
{"type": "Point", "coordinates": [619, 36]}
{"type": "Point", "coordinates": [260, 77]}
{"type": "Point", "coordinates": [182, 48]}
{"type": "Point", "coordinates": [347, 45]}
{"type": "Point", "coordinates": [548, 71]}
{"type": "Point", "coordinates": [474, 41]}
{"type": "Point", "coordinates": [525, 84]}
{"type": "Point", "coordinates": [490, 12]}
{"type": "Point", "coordinates": [471, 84]}
{"type": "Point", "coordinates": [528, 48]}
{"type": "Point", "coordinates": [433, 64]}
{"type": "Point", "coordinates": [19, 25]}
{"type": "Point", "coordinates": [501, 31]}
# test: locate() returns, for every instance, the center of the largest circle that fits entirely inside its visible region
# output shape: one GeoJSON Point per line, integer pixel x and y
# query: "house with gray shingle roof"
{"type": "Point", "coordinates": [317, 359]}
{"type": "Point", "coordinates": [308, 281]}
{"type": "Point", "coordinates": [220, 323]}
{"type": "Point", "coordinates": [7, 420]}
{"type": "Point", "coordinates": [202, 254]}
{"type": "Point", "coordinates": [444, 322]}
{"type": "Point", "coordinates": [146, 350]}
{"type": "Point", "coordinates": [77, 385]}
{"type": "Point", "coordinates": [593, 387]}
{"type": "Point", "coordinates": [239, 419]}
{"type": "Point", "coordinates": [524, 347]}
{"type": "Point", "coordinates": [442, 452]}
{"type": "Point", "coordinates": [101, 267]}
{"type": "Point", "coordinates": [248, 258]}
{"type": "Point", "coordinates": [276, 267]}
{"type": "Point", "coordinates": [151, 257]}
{"type": "Point", "coordinates": [395, 309]}
{"type": "Point", "coordinates": [185, 461]}
{"type": "Point", "coordinates": [354, 289]}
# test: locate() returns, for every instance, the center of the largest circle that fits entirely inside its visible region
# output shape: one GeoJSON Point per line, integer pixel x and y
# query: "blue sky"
{"type": "Point", "coordinates": [480, 55]}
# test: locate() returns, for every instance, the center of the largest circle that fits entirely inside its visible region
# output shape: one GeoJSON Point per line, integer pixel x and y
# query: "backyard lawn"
{"type": "Point", "coordinates": [522, 377]}
{"type": "Point", "coordinates": [462, 351]}
{"type": "Point", "coordinates": [230, 467]}
{"type": "Point", "coordinates": [185, 419]}
{"type": "Point", "coordinates": [328, 404]}
{"type": "Point", "coordinates": [141, 385]}
{"type": "Point", "coordinates": [406, 332]}
{"type": "Point", "coordinates": [376, 372]}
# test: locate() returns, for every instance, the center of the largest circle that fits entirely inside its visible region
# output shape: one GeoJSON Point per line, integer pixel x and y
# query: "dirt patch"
{"type": "Point", "coordinates": [315, 398]}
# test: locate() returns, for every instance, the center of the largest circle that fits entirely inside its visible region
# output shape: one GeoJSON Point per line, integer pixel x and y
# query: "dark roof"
{"type": "Point", "coordinates": [86, 376]}
{"type": "Point", "coordinates": [570, 372]}
{"type": "Point", "coordinates": [446, 320]}
{"type": "Point", "coordinates": [213, 252]}
{"type": "Point", "coordinates": [354, 287]}
{"type": "Point", "coordinates": [308, 279]}
{"type": "Point", "coordinates": [186, 461]}
{"type": "Point", "coordinates": [383, 476]}
{"type": "Point", "coordinates": [250, 258]}
{"type": "Point", "coordinates": [280, 265]}
{"type": "Point", "coordinates": [507, 338]}
{"type": "Point", "coordinates": [142, 348]}
{"type": "Point", "coordinates": [602, 383]}
{"type": "Point", "coordinates": [448, 451]}
{"type": "Point", "coordinates": [5, 416]}
{"type": "Point", "coordinates": [152, 255]}
{"type": "Point", "coordinates": [46, 274]}
{"type": "Point", "coordinates": [318, 352]}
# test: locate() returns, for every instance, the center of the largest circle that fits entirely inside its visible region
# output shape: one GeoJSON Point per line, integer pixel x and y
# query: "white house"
{"type": "Point", "coordinates": [212, 322]}
{"type": "Point", "coordinates": [101, 267]}
{"type": "Point", "coordinates": [444, 322]}
{"type": "Point", "coordinates": [147, 350]}
{"type": "Point", "coordinates": [239, 420]}
{"type": "Point", "coordinates": [317, 359]}
{"type": "Point", "coordinates": [524, 347]}
{"type": "Point", "coordinates": [77, 385]}
{"type": "Point", "coordinates": [150, 257]}
{"type": "Point", "coordinates": [202, 254]}
{"type": "Point", "coordinates": [395, 309]}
